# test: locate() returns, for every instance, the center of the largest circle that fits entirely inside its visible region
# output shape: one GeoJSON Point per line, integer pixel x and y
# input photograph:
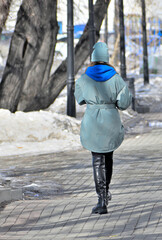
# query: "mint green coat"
{"type": "Point", "coordinates": [101, 128]}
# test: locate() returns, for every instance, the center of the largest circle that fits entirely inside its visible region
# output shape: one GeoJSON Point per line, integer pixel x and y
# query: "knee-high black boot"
{"type": "Point", "coordinates": [109, 170]}
{"type": "Point", "coordinates": [98, 161]}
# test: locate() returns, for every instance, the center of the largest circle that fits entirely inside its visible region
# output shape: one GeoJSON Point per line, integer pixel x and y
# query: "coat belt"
{"type": "Point", "coordinates": [102, 106]}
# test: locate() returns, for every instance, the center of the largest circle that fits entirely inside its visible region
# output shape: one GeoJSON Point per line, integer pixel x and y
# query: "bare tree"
{"type": "Point", "coordinates": [26, 84]}
{"type": "Point", "coordinates": [57, 81]}
{"type": "Point", "coordinates": [4, 11]}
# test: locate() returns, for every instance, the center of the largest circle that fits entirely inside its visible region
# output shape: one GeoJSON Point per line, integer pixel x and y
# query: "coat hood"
{"type": "Point", "coordinates": [100, 73]}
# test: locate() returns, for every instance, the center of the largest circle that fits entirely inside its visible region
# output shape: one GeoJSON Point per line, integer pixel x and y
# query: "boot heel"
{"type": "Point", "coordinates": [103, 210]}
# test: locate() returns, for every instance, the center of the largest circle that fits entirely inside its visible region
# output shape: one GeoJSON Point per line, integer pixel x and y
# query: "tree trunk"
{"type": "Point", "coordinates": [113, 59]}
{"type": "Point", "coordinates": [4, 11]}
{"type": "Point", "coordinates": [30, 55]}
{"type": "Point", "coordinates": [57, 81]}
{"type": "Point", "coordinates": [116, 28]}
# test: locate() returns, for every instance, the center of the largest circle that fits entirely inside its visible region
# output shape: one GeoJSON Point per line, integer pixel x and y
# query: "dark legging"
{"type": "Point", "coordinates": [108, 166]}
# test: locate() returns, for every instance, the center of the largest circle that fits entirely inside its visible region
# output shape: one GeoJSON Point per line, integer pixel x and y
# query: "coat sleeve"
{"type": "Point", "coordinates": [78, 94]}
{"type": "Point", "coordinates": [124, 97]}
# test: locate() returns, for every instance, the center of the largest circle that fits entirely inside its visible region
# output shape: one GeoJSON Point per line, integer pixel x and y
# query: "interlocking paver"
{"type": "Point", "coordinates": [133, 214]}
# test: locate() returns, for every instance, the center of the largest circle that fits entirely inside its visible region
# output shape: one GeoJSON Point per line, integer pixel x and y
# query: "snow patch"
{"type": "Point", "coordinates": [36, 126]}
{"type": "Point", "coordinates": [37, 132]}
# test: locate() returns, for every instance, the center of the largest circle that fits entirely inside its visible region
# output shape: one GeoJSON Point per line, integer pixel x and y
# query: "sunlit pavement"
{"type": "Point", "coordinates": [135, 211]}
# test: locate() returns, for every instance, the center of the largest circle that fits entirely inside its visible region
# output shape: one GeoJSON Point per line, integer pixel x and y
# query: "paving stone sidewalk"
{"type": "Point", "coordinates": [135, 211]}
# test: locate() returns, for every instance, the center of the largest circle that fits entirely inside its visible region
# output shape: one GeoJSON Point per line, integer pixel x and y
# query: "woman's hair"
{"type": "Point", "coordinates": [91, 64]}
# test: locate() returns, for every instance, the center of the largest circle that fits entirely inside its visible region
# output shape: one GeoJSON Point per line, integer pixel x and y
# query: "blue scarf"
{"type": "Point", "coordinates": [100, 73]}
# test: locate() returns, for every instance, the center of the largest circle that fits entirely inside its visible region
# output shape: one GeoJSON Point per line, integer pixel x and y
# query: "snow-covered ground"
{"type": "Point", "coordinates": [151, 94]}
{"type": "Point", "coordinates": [37, 132]}
{"type": "Point", "coordinates": [51, 130]}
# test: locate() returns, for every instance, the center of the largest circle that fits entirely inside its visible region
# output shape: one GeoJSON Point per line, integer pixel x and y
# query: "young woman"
{"type": "Point", "coordinates": [104, 92]}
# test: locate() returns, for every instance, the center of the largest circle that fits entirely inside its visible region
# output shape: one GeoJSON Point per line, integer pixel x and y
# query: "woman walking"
{"type": "Point", "coordinates": [104, 92]}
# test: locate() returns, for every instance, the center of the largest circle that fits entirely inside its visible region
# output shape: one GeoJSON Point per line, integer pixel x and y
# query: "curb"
{"type": "Point", "coordinates": [8, 194]}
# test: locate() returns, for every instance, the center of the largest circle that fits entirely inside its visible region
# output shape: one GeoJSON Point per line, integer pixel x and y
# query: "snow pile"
{"type": "Point", "coordinates": [37, 132]}
{"type": "Point", "coordinates": [36, 126]}
{"type": "Point", "coordinates": [153, 88]}
{"type": "Point", "coordinates": [150, 94]}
